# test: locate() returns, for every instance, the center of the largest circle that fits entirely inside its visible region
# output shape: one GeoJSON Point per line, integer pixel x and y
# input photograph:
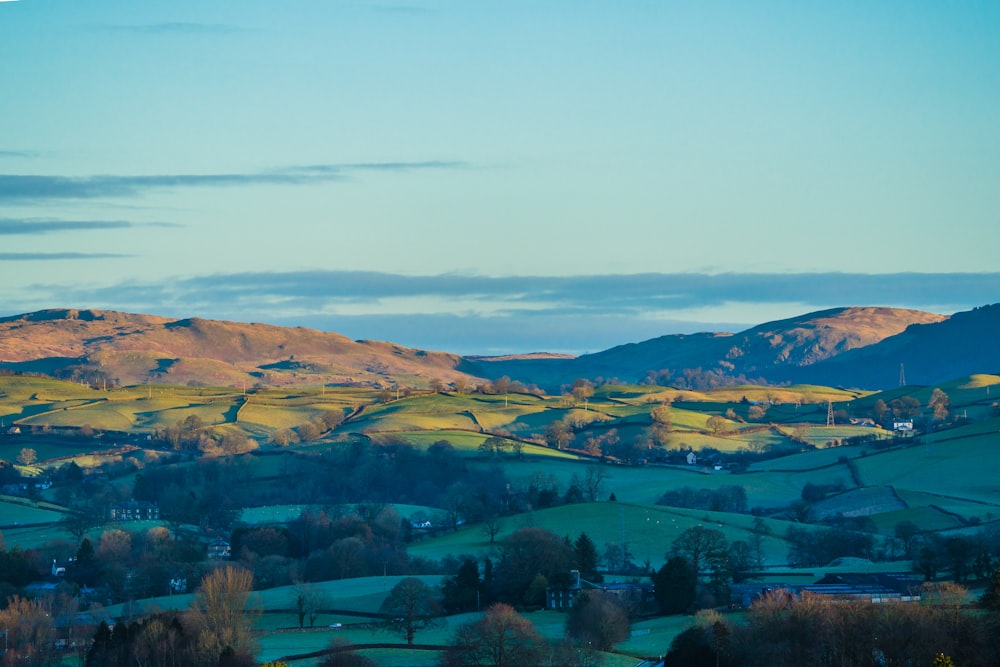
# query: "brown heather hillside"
{"type": "Point", "coordinates": [964, 344]}
{"type": "Point", "coordinates": [856, 347]}
{"type": "Point", "coordinates": [135, 349]}
{"type": "Point", "coordinates": [759, 353]}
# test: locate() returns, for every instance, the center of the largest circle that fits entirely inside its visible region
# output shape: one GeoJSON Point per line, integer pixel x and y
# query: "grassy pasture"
{"type": "Point", "coordinates": [492, 419]}
{"type": "Point", "coordinates": [649, 529]}
{"type": "Point", "coordinates": [277, 416]}
{"type": "Point", "coordinates": [397, 417]}
{"type": "Point", "coordinates": [808, 460]}
{"type": "Point", "coordinates": [821, 435]}
{"type": "Point", "coordinates": [363, 594]}
{"type": "Point", "coordinates": [37, 536]}
{"type": "Point", "coordinates": [47, 447]}
{"type": "Point", "coordinates": [273, 513]}
{"type": "Point", "coordinates": [101, 415]}
{"type": "Point", "coordinates": [928, 518]}
{"type": "Point", "coordinates": [22, 511]}
{"type": "Point", "coordinates": [987, 427]}
{"type": "Point", "coordinates": [23, 387]}
{"type": "Point", "coordinates": [957, 468]}
{"type": "Point", "coordinates": [949, 507]}
{"type": "Point", "coordinates": [219, 411]}
{"type": "Point", "coordinates": [468, 443]}
{"type": "Point", "coordinates": [646, 484]}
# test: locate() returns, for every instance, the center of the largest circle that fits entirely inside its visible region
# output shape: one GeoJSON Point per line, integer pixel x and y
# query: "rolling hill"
{"type": "Point", "coordinates": [136, 349]}
{"type": "Point", "coordinates": [762, 353]}
{"type": "Point", "coordinates": [963, 344]}
{"type": "Point", "coordinates": [853, 346]}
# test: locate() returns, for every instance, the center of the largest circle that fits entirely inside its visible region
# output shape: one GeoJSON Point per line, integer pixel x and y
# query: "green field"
{"type": "Point", "coordinates": [648, 530]}
{"type": "Point", "coordinates": [14, 511]}
{"type": "Point", "coordinates": [943, 482]}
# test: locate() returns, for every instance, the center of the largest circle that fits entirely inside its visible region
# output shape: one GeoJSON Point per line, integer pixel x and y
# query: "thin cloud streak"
{"type": "Point", "coordinates": [26, 187]}
{"type": "Point", "coordinates": [9, 226]}
{"type": "Point", "coordinates": [643, 293]}
{"type": "Point", "coordinates": [616, 292]}
{"type": "Point", "coordinates": [49, 256]}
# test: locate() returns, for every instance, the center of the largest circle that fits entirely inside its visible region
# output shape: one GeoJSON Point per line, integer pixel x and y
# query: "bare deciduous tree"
{"type": "Point", "coordinates": [219, 612]}
{"type": "Point", "coordinates": [410, 606]}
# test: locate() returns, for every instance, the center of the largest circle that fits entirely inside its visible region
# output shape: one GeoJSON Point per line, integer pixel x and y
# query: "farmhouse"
{"type": "Point", "coordinates": [133, 510]}
{"type": "Point", "coordinates": [219, 549]}
{"type": "Point", "coordinates": [632, 594]}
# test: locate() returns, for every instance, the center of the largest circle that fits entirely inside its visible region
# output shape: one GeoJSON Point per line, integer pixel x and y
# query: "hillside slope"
{"type": "Point", "coordinates": [854, 346]}
{"type": "Point", "coordinates": [132, 349]}
{"type": "Point", "coordinates": [759, 353]}
{"type": "Point", "coordinates": [964, 344]}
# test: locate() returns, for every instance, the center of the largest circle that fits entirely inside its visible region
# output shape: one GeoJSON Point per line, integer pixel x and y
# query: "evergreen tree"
{"type": "Point", "coordinates": [101, 648]}
{"type": "Point", "coordinates": [675, 585]}
{"type": "Point", "coordinates": [991, 596]}
{"type": "Point", "coordinates": [586, 558]}
{"type": "Point", "coordinates": [461, 592]}
{"type": "Point", "coordinates": [487, 589]}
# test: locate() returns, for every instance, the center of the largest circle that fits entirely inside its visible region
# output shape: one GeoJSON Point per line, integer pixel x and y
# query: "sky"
{"type": "Point", "coordinates": [505, 176]}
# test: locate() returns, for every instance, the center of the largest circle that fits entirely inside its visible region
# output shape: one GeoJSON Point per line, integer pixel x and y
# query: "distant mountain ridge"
{"type": "Point", "coordinates": [763, 353]}
{"type": "Point", "coordinates": [924, 353]}
{"type": "Point", "coordinates": [852, 346]}
{"type": "Point", "coordinates": [134, 349]}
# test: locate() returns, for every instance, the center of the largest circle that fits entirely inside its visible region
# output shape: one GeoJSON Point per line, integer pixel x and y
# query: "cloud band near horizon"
{"type": "Point", "coordinates": [22, 188]}
{"type": "Point", "coordinates": [481, 314]}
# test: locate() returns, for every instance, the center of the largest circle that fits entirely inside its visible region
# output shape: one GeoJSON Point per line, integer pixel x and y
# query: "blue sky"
{"type": "Point", "coordinates": [488, 177]}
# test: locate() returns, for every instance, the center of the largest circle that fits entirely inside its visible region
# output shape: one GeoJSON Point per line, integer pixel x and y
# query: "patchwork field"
{"type": "Point", "coordinates": [942, 482]}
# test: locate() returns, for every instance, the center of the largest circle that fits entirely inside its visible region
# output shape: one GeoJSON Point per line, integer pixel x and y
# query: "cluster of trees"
{"type": "Point", "coordinates": [216, 631]}
{"type": "Point", "coordinates": [504, 638]}
{"type": "Point", "coordinates": [728, 498]}
{"type": "Point", "coordinates": [700, 564]}
{"type": "Point", "coordinates": [210, 491]}
{"type": "Point", "coordinates": [29, 628]}
{"type": "Point", "coordinates": [369, 541]}
{"type": "Point", "coordinates": [496, 445]}
{"type": "Point", "coordinates": [529, 561]}
{"type": "Point", "coordinates": [596, 621]}
{"type": "Point", "coordinates": [16, 569]}
{"type": "Point", "coordinates": [817, 631]}
{"type": "Point", "coordinates": [810, 547]}
{"type": "Point", "coordinates": [312, 429]}
{"type": "Point", "coordinates": [908, 407]}
{"type": "Point", "coordinates": [963, 557]}
{"type": "Point", "coordinates": [698, 379]}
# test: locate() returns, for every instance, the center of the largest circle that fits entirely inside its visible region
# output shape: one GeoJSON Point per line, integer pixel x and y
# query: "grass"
{"type": "Point", "coordinates": [22, 511]}
{"type": "Point", "coordinates": [645, 484]}
{"type": "Point", "coordinates": [550, 624]}
{"type": "Point", "coordinates": [955, 467]}
{"type": "Point", "coordinates": [811, 459]}
{"type": "Point", "coordinates": [648, 530]}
